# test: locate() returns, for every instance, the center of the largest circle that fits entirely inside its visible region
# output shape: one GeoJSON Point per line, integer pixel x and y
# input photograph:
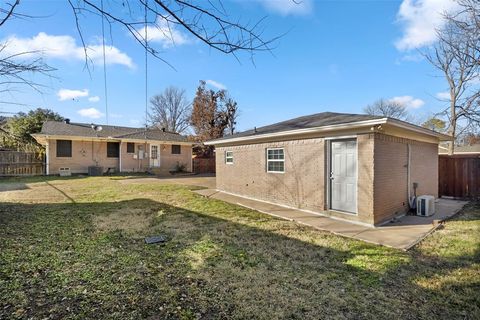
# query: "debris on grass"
{"type": "Point", "coordinates": [155, 239]}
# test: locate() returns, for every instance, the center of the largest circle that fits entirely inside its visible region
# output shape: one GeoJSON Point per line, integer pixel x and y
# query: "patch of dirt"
{"type": "Point", "coordinates": [130, 220]}
{"type": "Point", "coordinates": [12, 186]}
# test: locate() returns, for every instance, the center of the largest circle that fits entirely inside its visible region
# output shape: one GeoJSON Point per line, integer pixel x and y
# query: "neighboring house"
{"type": "Point", "coordinates": [473, 149]}
{"type": "Point", "coordinates": [359, 168]}
{"type": "Point", "coordinates": [77, 146]}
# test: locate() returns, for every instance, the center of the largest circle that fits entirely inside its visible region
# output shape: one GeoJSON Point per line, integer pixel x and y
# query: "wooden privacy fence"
{"type": "Point", "coordinates": [459, 176]}
{"type": "Point", "coordinates": [17, 163]}
{"type": "Point", "coordinates": [204, 165]}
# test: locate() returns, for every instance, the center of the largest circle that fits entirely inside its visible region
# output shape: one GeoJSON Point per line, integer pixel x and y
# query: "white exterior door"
{"type": "Point", "coordinates": [154, 155]}
{"type": "Point", "coordinates": [343, 175]}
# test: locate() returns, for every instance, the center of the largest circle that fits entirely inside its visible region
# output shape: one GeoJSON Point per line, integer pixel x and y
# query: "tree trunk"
{"type": "Point", "coordinates": [453, 125]}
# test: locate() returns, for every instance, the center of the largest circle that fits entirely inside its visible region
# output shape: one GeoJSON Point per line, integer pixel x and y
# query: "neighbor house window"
{"type": "Point", "coordinates": [113, 149]}
{"type": "Point", "coordinates": [130, 147]}
{"type": "Point", "coordinates": [64, 148]}
{"type": "Point", "coordinates": [275, 160]}
{"type": "Point", "coordinates": [176, 149]}
{"type": "Point", "coordinates": [229, 157]}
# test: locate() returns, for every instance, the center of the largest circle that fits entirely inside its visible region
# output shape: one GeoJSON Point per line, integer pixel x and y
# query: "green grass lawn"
{"type": "Point", "coordinates": [74, 248]}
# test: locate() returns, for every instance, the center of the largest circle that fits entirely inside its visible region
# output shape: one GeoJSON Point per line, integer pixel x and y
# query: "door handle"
{"type": "Point", "coordinates": [331, 176]}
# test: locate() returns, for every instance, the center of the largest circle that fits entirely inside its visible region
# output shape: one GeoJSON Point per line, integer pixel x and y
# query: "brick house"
{"type": "Point", "coordinates": [78, 146]}
{"type": "Point", "coordinates": [359, 168]}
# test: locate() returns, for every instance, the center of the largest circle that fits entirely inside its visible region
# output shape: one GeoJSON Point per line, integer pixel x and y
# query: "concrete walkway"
{"type": "Point", "coordinates": [403, 234]}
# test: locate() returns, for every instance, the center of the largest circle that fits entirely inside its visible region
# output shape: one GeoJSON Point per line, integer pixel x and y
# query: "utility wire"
{"type": "Point", "coordinates": [146, 68]}
{"type": "Point", "coordinates": [104, 66]}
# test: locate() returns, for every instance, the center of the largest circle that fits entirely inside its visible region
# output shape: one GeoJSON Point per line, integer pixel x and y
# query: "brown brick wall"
{"type": "Point", "coordinates": [168, 161]}
{"type": "Point", "coordinates": [365, 143]}
{"type": "Point", "coordinates": [84, 154]}
{"type": "Point", "coordinates": [302, 184]}
{"type": "Point", "coordinates": [391, 174]}
{"type": "Point", "coordinates": [424, 161]}
{"type": "Point", "coordinates": [390, 184]}
{"type": "Point", "coordinates": [382, 175]}
{"type": "Point", "coordinates": [89, 153]}
{"type": "Point", "coordinates": [129, 164]}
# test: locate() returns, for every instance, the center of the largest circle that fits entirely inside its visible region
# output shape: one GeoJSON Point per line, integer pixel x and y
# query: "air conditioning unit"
{"type": "Point", "coordinates": [65, 172]}
{"type": "Point", "coordinates": [425, 206]}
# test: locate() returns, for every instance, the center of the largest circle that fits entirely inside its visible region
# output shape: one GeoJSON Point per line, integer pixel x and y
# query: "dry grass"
{"type": "Point", "coordinates": [133, 220]}
{"type": "Point", "coordinates": [73, 248]}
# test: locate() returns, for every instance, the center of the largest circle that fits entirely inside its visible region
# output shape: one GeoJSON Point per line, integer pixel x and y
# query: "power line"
{"type": "Point", "coordinates": [146, 67]}
{"type": "Point", "coordinates": [104, 65]}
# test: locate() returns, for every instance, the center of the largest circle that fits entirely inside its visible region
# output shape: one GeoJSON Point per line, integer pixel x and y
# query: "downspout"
{"type": "Point", "coordinates": [47, 158]}
{"type": "Point", "coordinates": [120, 156]}
{"type": "Point", "coordinates": [411, 199]}
{"type": "Point", "coordinates": [408, 175]}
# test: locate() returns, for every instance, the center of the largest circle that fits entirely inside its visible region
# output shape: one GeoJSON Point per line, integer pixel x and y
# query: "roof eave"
{"type": "Point", "coordinates": [43, 136]}
{"type": "Point", "coordinates": [336, 127]}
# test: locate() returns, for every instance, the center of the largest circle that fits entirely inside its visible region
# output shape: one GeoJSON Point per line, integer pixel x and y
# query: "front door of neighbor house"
{"type": "Point", "coordinates": [343, 175]}
{"type": "Point", "coordinates": [154, 155]}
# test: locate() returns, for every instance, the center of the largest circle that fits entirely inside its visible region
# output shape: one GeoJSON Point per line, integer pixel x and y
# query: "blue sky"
{"type": "Point", "coordinates": [335, 56]}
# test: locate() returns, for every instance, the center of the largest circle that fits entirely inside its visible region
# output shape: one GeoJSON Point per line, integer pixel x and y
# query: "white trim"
{"type": "Point", "coordinates": [350, 125]}
{"type": "Point", "coordinates": [354, 136]}
{"type": "Point", "coordinates": [120, 157]}
{"type": "Point", "coordinates": [109, 139]}
{"type": "Point", "coordinates": [47, 158]}
{"type": "Point", "coordinates": [275, 160]}
{"type": "Point", "coordinates": [151, 159]}
{"type": "Point", "coordinates": [412, 127]}
{"type": "Point", "coordinates": [228, 157]}
{"type": "Point", "coordinates": [329, 182]}
{"type": "Point", "coordinates": [290, 207]}
{"type": "Point", "coordinates": [460, 152]}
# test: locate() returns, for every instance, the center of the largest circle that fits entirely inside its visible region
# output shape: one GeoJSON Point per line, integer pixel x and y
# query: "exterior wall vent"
{"type": "Point", "coordinates": [65, 172]}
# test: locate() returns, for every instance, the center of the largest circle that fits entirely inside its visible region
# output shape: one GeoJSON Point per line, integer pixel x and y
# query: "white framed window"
{"type": "Point", "coordinates": [276, 160]}
{"type": "Point", "coordinates": [229, 157]}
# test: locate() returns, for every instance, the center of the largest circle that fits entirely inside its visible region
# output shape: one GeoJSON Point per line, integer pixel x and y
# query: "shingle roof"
{"type": "Point", "coordinates": [106, 131]}
{"type": "Point", "coordinates": [305, 122]}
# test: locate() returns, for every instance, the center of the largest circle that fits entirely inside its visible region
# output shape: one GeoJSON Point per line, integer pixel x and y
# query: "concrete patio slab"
{"type": "Point", "coordinates": [403, 234]}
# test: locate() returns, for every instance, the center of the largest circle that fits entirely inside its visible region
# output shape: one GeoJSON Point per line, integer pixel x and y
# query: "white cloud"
{"type": "Point", "coordinates": [94, 99]}
{"type": "Point", "coordinates": [67, 94]}
{"type": "Point", "coordinates": [288, 7]}
{"type": "Point", "coordinates": [443, 95]}
{"type": "Point", "coordinates": [408, 102]}
{"type": "Point", "coordinates": [215, 84]}
{"type": "Point", "coordinates": [420, 19]}
{"type": "Point", "coordinates": [90, 113]}
{"type": "Point", "coordinates": [66, 48]}
{"type": "Point", "coordinates": [164, 33]}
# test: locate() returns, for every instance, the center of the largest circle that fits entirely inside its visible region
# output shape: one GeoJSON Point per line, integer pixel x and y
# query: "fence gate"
{"type": "Point", "coordinates": [17, 163]}
{"type": "Point", "coordinates": [203, 165]}
{"type": "Point", "coordinates": [459, 176]}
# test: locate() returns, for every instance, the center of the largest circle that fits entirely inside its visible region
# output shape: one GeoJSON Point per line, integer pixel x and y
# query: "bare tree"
{"type": "Point", "coordinates": [231, 115]}
{"type": "Point", "coordinates": [467, 19]}
{"type": "Point", "coordinates": [171, 110]}
{"type": "Point", "coordinates": [387, 108]}
{"type": "Point", "coordinates": [15, 70]}
{"type": "Point", "coordinates": [209, 22]}
{"type": "Point", "coordinates": [457, 56]}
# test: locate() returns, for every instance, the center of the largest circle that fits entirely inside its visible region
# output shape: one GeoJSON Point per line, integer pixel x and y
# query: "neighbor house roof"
{"type": "Point", "coordinates": [472, 149]}
{"type": "Point", "coordinates": [325, 121]}
{"type": "Point", "coordinates": [60, 128]}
